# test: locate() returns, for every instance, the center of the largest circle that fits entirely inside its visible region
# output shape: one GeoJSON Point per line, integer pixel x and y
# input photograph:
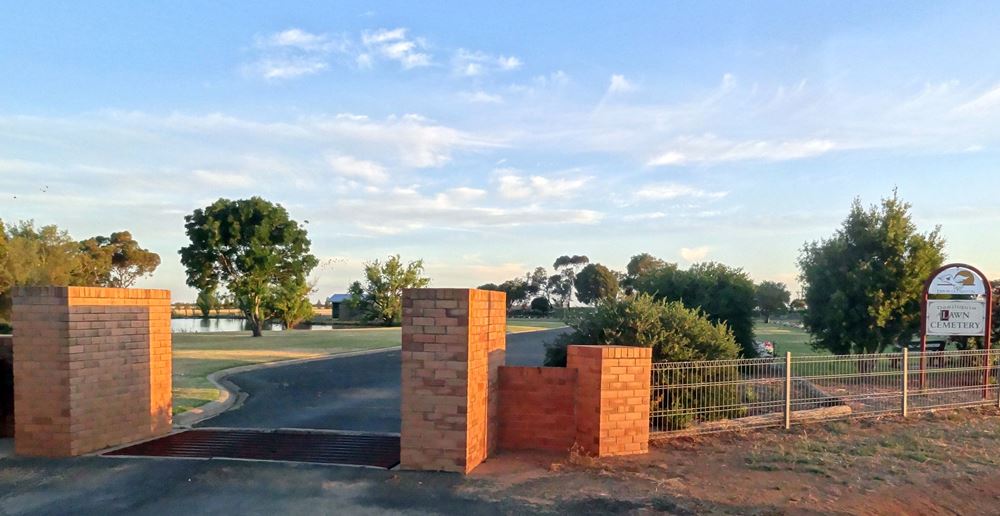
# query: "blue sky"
{"type": "Point", "coordinates": [489, 139]}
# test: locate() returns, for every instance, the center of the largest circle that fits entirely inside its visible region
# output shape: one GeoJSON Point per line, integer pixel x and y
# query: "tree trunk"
{"type": "Point", "coordinates": [767, 318]}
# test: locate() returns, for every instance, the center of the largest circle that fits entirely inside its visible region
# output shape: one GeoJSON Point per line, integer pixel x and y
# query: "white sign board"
{"type": "Point", "coordinates": [956, 317]}
{"type": "Point", "coordinates": [957, 281]}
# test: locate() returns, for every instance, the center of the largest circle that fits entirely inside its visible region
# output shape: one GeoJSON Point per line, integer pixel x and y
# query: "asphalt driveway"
{"type": "Point", "coordinates": [358, 393]}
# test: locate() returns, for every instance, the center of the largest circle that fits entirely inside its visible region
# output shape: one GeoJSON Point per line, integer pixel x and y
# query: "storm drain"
{"type": "Point", "coordinates": [354, 449]}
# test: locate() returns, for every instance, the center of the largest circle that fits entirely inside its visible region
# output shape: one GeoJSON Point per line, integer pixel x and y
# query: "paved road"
{"type": "Point", "coordinates": [359, 393]}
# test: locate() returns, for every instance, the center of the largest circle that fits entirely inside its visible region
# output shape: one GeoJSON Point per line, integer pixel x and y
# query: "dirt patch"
{"type": "Point", "coordinates": [931, 463]}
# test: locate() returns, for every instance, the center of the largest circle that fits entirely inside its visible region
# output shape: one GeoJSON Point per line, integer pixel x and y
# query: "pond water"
{"type": "Point", "coordinates": [211, 325]}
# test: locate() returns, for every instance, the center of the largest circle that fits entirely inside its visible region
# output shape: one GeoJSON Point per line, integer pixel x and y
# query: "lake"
{"type": "Point", "coordinates": [211, 325]}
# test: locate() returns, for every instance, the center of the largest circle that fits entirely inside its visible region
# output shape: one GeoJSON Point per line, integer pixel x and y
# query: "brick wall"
{"type": "Point", "coordinates": [6, 386]}
{"type": "Point", "coordinates": [453, 344]}
{"type": "Point", "coordinates": [537, 408]}
{"type": "Point", "coordinates": [612, 400]}
{"type": "Point", "coordinates": [92, 368]}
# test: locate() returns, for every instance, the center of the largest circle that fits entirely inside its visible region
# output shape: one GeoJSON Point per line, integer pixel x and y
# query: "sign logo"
{"type": "Point", "coordinates": [957, 280]}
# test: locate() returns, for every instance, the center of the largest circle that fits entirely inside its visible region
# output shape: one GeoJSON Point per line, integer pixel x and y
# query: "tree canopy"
{"type": "Point", "coordinates": [594, 283]}
{"type": "Point", "coordinates": [863, 285]}
{"type": "Point", "coordinates": [249, 246]}
{"type": "Point", "coordinates": [772, 298]}
{"type": "Point", "coordinates": [725, 294]}
{"type": "Point", "coordinates": [118, 260]}
{"type": "Point", "coordinates": [36, 256]}
{"type": "Point", "coordinates": [380, 295]}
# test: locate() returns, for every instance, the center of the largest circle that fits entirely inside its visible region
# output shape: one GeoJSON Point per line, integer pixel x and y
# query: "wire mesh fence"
{"type": "Point", "coordinates": [720, 395]}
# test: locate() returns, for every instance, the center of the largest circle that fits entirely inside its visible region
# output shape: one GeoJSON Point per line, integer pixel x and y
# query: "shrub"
{"type": "Point", "coordinates": [541, 305]}
{"type": "Point", "coordinates": [674, 332]}
{"type": "Point", "coordinates": [6, 329]}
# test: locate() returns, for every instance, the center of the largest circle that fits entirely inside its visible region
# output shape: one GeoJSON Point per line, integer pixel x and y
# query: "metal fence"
{"type": "Point", "coordinates": [719, 395]}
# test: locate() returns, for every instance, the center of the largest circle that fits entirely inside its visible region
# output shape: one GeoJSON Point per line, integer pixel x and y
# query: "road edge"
{"type": "Point", "coordinates": [229, 392]}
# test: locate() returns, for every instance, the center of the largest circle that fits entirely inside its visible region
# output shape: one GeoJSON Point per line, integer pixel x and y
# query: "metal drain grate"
{"type": "Point", "coordinates": [378, 450]}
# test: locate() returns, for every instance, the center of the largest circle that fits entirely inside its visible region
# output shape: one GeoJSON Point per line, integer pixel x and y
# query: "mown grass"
{"type": "Point", "coordinates": [786, 338]}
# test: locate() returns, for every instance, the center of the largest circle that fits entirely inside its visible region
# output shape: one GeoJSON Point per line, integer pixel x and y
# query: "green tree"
{"type": "Point", "coordinates": [207, 301]}
{"type": "Point", "coordinates": [542, 305]}
{"type": "Point", "coordinates": [567, 266]}
{"type": "Point", "coordinates": [32, 256]}
{"type": "Point", "coordinates": [772, 298]}
{"type": "Point", "coordinates": [676, 333]}
{"type": "Point", "coordinates": [798, 304]}
{"type": "Point", "coordinates": [725, 294]}
{"type": "Point", "coordinates": [117, 260]}
{"type": "Point", "coordinates": [638, 266]}
{"type": "Point", "coordinates": [863, 285]}
{"type": "Point", "coordinates": [249, 246]}
{"type": "Point", "coordinates": [560, 287]}
{"type": "Point", "coordinates": [594, 283]}
{"type": "Point", "coordinates": [517, 290]}
{"type": "Point", "coordinates": [291, 305]}
{"type": "Point", "coordinates": [538, 281]}
{"type": "Point", "coordinates": [380, 296]}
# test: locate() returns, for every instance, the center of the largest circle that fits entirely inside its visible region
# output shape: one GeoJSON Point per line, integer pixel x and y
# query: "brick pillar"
{"type": "Point", "coordinates": [612, 398]}
{"type": "Point", "coordinates": [91, 368]}
{"type": "Point", "coordinates": [454, 341]}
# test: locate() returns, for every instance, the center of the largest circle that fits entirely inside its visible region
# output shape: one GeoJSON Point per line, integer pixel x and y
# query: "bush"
{"type": "Point", "coordinates": [541, 305]}
{"type": "Point", "coordinates": [6, 329]}
{"type": "Point", "coordinates": [674, 332]}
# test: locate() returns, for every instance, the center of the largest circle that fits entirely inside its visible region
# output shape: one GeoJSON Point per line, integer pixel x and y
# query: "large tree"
{"type": "Point", "coordinates": [772, 298]}
{"type": "Point", "coordinates": [249, 246]}
{"type": "Point", "coordinates": [117, 260]}
{"type": "Point", "coordinates": [863, 285]}
{"type": "Point", "coordinates": [725, 294]}
{"type": "Point", "coordinates": [380, 295]}
{"type": "Point", "coordinates": [638, 266]}
{"type": "Point", "coordinates": [517, 290]}
{"type": "Point", "coordinates": [33, 256]}
{"type": "Point", "coordinates": [567, 266]}
{"type": "Point", "coordinates": [594, 283]}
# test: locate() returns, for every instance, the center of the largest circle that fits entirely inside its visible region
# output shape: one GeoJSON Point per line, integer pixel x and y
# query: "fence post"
{"type": "Point", "coordinates": [788, 390]}
{"type": "Point", "coordinates": [906, 380]}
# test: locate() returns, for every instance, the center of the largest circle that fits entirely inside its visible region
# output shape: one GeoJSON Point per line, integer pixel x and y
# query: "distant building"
{"type": "Point", "coordinates": [341, 309]}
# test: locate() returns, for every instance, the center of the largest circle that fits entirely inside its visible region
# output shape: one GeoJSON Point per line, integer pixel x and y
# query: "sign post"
{"type": "Point", "coordinates": [961, 306]}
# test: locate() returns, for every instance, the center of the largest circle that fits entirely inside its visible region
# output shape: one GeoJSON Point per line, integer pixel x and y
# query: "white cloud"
{"type": "Point", "coordinates": [711, 149]}
{"type": "Point", "coordinates": [481, 97]}
{"type": "Point", "coordinates": [668, 191]}
{"type": "Point", "coordinates": [351, 167]}
{"type": "Point", "coordinates": [223, 179]}
{"type": "Point", "coordinates": [982, 104]}
{"type": "Point", "coordinates": [472, 63]}
{"type": "Point", "coordinates": [515, 186]}
{"type": "Point", "coordinates": [293, 53]}
{"type": "Point", "coordinates": [300, 39]}
{"type": "Point", "coordinates": [393, 44]}
{"type": "Point", "coordinates": [619, 84]}
{"type": "Point", "coordinates": [655, 215]}
{"type": "Point", "coordinates": [695, 254]}
{"type": "Point", "coordinates": [288, 68]}
{"type": "Point", "coordinates": [406, 209]}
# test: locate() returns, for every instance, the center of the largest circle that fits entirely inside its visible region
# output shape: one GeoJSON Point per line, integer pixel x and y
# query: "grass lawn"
{"type": "Point", "coordinates": [786, 338]}
{"type": "Point", "coordinates": [523, 325]}
{"type": "Point", "coordinates": [197, 355]}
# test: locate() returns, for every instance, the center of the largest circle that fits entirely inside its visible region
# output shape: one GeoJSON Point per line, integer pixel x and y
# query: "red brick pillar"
{"type": "Point", "coordinates": [612, 398]}
{"type": "Point", "coordinates": [454, 341]}
{"type": "Point", "coordinates": [91, 368]}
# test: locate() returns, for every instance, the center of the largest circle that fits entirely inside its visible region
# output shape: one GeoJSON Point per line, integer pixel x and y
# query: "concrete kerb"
{"type": "Point", "coordinates": [229, 393]}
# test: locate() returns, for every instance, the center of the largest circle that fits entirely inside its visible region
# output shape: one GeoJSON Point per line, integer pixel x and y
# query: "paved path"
{"type": "Point", "coordinates": [359, 393]}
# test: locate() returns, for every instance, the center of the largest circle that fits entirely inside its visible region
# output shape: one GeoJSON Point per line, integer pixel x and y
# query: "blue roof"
{"type": "Point", "coordinates": [338, 298]}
